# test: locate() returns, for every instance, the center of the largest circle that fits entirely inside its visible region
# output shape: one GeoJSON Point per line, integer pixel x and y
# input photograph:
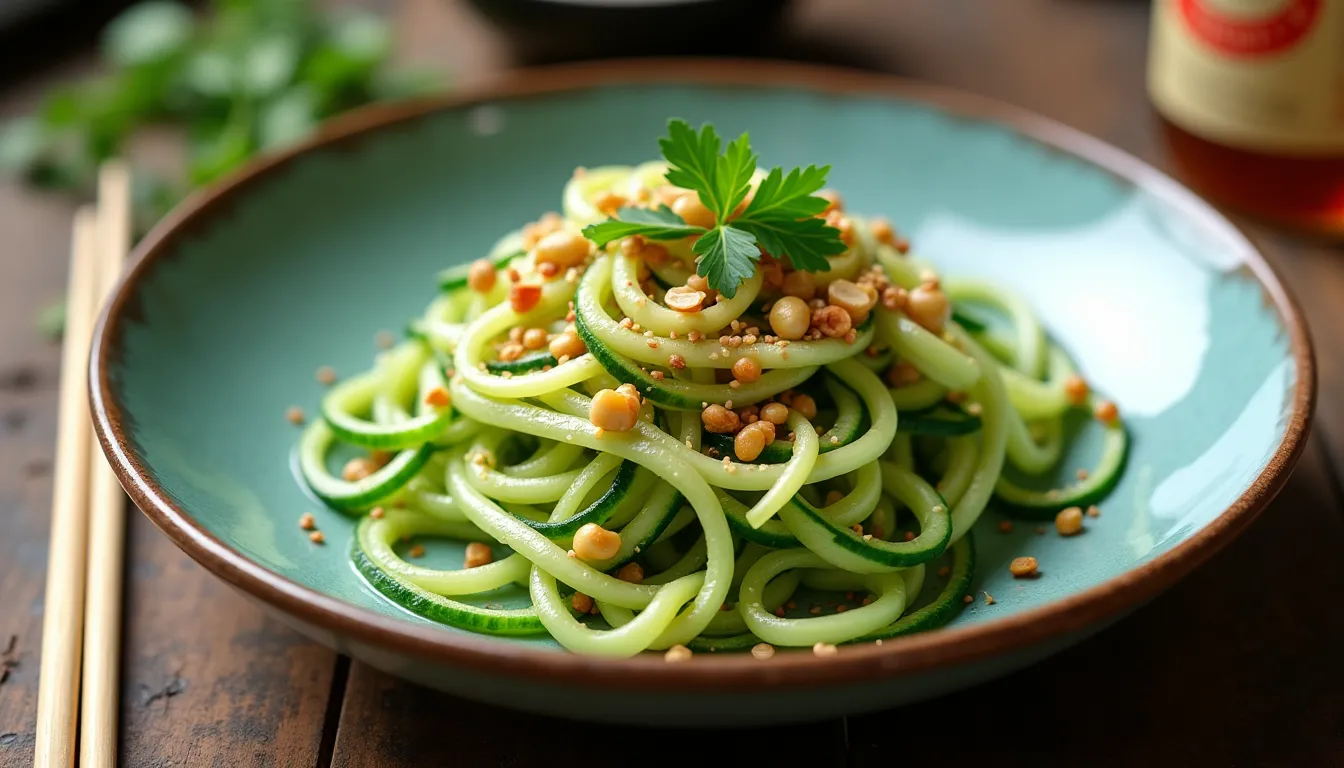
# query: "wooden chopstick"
{"type": "Point", "coordinates": [107, 514]}
{"type": "Point", "coordinates": [62, 623]}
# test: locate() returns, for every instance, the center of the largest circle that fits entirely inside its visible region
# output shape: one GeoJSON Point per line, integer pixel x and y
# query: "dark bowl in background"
{"type": "Point", "coordinates": [552, 30]}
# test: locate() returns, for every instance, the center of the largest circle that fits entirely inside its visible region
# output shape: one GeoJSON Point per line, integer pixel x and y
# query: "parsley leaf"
{"type": "Point", "coordinates": [781, 217]}
{"type": "Point", "coordinates": [655, 224]}
{"type": "Point", "coordinates": [694, 162]}
{"type": "Point", "coordinates": [728, 256]}
{"type": "Point", "coordinates": [733, 172]}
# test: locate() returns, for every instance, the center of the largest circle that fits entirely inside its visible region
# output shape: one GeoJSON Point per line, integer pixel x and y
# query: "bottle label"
{"type": "Point", "coordinates": [1264, 75]}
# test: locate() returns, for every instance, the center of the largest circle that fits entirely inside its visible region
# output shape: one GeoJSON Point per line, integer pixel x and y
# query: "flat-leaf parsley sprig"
{"type": "Point", "coordinates": [782, 217]}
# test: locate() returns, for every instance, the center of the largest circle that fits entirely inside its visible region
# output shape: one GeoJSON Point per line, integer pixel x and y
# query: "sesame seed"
{"type": "Point", "coordinates": [762, 651]}
{"type": "Point", "coordinates": [824, 649]}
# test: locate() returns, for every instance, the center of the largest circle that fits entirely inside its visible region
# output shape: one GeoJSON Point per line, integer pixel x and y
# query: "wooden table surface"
{"type": "Point", "coordinates": [1236, 666]}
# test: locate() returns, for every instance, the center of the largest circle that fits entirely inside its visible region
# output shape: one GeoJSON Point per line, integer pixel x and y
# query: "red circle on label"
{"type": "Point", "coordinates": [1272, 32]}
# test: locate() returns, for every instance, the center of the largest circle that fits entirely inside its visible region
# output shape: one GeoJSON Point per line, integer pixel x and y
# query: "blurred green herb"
{"type": "Point", "coordinates": [51, 320]}
{"type": "Point", "coordinates": [247, 76]}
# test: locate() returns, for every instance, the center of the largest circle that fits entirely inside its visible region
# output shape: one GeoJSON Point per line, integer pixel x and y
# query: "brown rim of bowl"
{"type": "Point", "coordinates": [899, 657]}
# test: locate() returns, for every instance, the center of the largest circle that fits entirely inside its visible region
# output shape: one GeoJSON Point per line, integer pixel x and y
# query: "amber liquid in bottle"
{"type": "Point", "coordinates": [1251, 98]}
{"type": "Point", "coordinates": [1305, 193]}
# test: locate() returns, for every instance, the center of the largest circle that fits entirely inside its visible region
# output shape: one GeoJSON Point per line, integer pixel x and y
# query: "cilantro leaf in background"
{"type": "Point", "coordinates": [148, 33]}
{"type": "Point", "coordinates": [727, 257]}
{"type": "Point", "coordinates": [242, 76]}
{"type": "Point", "coordinates": [781, 217]}
{"type": "Point", "coordinates": [656, 224]}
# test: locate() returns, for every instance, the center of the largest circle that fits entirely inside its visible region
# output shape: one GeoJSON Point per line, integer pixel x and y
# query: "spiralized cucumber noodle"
{"type": "Point", "coordinates": [822, 492]}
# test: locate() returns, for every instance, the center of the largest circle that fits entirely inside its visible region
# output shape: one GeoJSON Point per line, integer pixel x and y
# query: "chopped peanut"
{"type": "Point", "coordinates": [677, 653]}
{"type": "Point", "coordinates": [692, 211]}
{"type": "Point", "coordinates": [478, 554]}
{"type": "Point", "coordinates": [832, 320]}
{"type": "Point", "coordinates": [805, 406]}
{"type": "Point", "coordinates": [676, 362]}
{"type": "Point", "coordinates": [824, 649]}
{"type": "Point", "coordinates": [1069, 521]}
{"type": "Point", "coordinates": [316, 537]}
{"type": "Point", "coordinates": [1075, 390]}
{"type": "Point", "coordinates": [510, 352]}
{"type": "Point", "coordinates": [607, 202]}
{"type": "Point", "coordinates": [614, 411]}
{"type": "Point", "coordinates": [746, 370]}
{"type": "Point", "coordinates": [534, 338]}
{"type": "Point", "coordinates": [928, 306]}
{"type": "Point", "coordinates": [593, 542]}
{"type": "Point", "coordinates": [762, 651]}
{"type": "Point", "coordinates": [720, 420]}
{"type": "Point", "coordinates": [903, 374]}
{"type": "Point", "coordinates": [307, 522]}
{"type": "Point", "coordinates": [563, 249]}
{"type": "Point", "coordinates": [684, 299]}
{"type": "Point", "coordinates": [439, 398]}
{"type": "Point", "coordinates": [775, 413]}
{"type": "Point", "coordinates": [1106, 412]}
{"type": "Point", "coordinates": [294, 414]}
{"type": "Point", "coordinates": [790, 318]}
{"type": "Point", "coordinates": [357, 469]}
{"type": "Point", "coordinates": [326, 375]}
{"type": "Point", "coordinates": [1023, 567]}
{"type": "Point", "coordinates": [752, 439]}
{"type": "Point", "coordinates": [882, 231]}
{"type": "Point", "coordinates": [567, 344]}
{"type": "Point", "coordinates": [631, 572]}
{"type": "Point", "coordinates": [852, 298]}
{"type": "Point", "coordinates": [582, 603]}
{"type": "Point", "coordinates": [481, 276]}
{"type": "Point", "coordinates": [800, 284]}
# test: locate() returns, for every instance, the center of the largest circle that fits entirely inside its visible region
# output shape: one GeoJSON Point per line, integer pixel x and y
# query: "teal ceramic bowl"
{"type": "Point", "coordinates": [299, 260]}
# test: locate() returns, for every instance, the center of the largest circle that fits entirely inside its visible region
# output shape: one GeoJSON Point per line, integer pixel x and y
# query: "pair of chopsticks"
{"type": "Point", "coordinates": [81, 630]}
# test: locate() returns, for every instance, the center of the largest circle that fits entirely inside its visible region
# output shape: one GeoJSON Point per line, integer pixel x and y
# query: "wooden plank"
{"type": "Point", "coordinates": [389, 722]}
{"type": "Point", "coordinates": [1237, 665]}
{"type": "Point", "coordinates": [32, 273]}
{"type": "Point", "coordinates": [207, 679]}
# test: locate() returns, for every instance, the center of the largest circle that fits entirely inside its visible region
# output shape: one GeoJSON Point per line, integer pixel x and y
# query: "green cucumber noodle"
{"type": "Point", "coordinates": [481, 428]}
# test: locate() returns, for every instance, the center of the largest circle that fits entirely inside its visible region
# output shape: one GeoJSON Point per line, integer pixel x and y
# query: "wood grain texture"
{"type": "Point", "coordinates": [207, 679]}
{"type": "Point", "coordinates": [1238, 665]}
{"type": "Point", "coordinates": [390, 722]}
{"type": "Point", "coordinates": [32, 271]}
